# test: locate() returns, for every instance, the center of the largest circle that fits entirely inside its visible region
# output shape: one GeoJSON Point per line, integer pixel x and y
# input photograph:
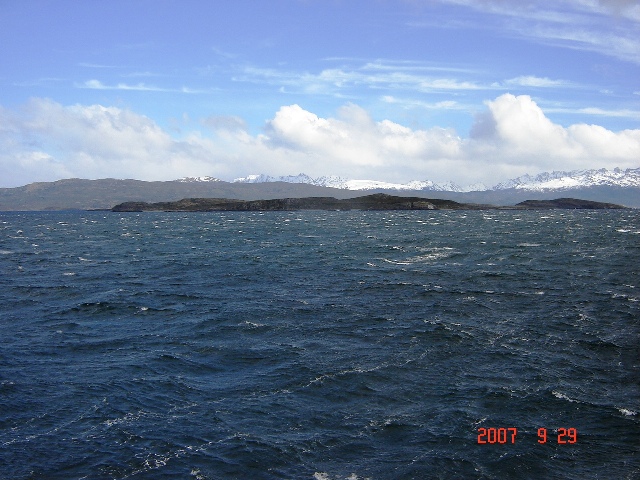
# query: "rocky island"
{"type": "Point", "coordinates": [378, 201]}
{"type": "Point", "coordinates": [566, 203]}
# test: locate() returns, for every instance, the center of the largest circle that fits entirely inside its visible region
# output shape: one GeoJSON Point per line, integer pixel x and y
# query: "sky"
{"type": "Point", "coordinates": [467, 91]}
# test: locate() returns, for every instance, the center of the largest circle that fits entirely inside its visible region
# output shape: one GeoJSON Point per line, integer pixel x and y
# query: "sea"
{"type": "Point", "coordinates": [320, 345]}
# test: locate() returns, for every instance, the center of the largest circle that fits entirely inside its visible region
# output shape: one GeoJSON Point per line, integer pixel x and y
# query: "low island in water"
{"type": "Point", "coordinates": [377, 201]}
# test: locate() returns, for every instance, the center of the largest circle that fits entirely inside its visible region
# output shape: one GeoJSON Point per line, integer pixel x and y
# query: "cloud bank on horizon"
{"type": "Point", "coordinates": [449, 90]}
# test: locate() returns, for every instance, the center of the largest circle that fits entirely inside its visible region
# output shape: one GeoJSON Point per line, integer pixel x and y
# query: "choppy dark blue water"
{"type": "Point", "coordinates": [319, 345]}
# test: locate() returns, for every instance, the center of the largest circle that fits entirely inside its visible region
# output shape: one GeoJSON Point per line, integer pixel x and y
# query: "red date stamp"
{"type": "Point", "coordinates": [508, 435]}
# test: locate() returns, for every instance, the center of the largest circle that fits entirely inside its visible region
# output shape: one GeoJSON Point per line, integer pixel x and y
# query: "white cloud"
{"type": "Point", "coordinates": [224, 122]}
{"type": "Point", "coordinates": [516, 138]}
{"type": "Point", "coordinates": [46, 141]}
{"type": "Point", "coordinates": [609, 27]}
{"type": "Point", "coordinates": [353, 144]}
{"type": "Point", "coordinates": [334, 81]}
{"type": "Point", "coordinates": [412, 103]}
{"type": "Point", "coordinates": [139, 87]}
{"type": "Point", "coordinates": [390, 78]}
{"type": "Point", "coordinates": [519, 134]}
{"type": "Point", "coordinates": [537, 82]}
{"type": "Point", "coordinates": [98, 85]}
{"type": "Point", "coordinates": [593, 111]}
{"type": "Point", "coordinates": [622, 113]}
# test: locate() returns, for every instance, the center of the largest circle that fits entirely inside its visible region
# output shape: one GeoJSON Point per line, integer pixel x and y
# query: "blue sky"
{"type": "Point", "coordinates": [443, 90]}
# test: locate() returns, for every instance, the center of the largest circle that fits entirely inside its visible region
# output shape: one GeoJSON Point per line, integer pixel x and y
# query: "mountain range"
{"type": "Point", "coordinates": [554, 181]}
{"type": "Point", "coordinates": [602, 185]}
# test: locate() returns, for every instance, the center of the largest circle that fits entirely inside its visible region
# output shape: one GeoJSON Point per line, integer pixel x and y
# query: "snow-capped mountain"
{"type": "Point", "coordinates": [198, 179]}
{"type": "Point", "coordinates": [338, 182]}
{"type": "Point", "coordinates": [331, 181]}
{"type": "Point", "coordinates": [548, 181]}
{"type": "Point", "coordinates": [418, 185]}
{"type": "Point", "coordinates": [574, 179]}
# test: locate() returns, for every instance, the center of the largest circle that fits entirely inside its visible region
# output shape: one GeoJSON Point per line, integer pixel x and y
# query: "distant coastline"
{"type": "Point", "coordinates": [377, 201]}
{"type": "Point", "coordinates": [103, 194]}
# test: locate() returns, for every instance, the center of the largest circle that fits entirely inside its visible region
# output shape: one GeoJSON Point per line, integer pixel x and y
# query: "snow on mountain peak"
{"type": "Point", "coordinates": [199, 179]}
{"type": "Point", "coordinates": [557, 180]}
{"type": "Point", "coordinates": [255, 179]}
{"type": "Point", "coordinates": [339, 182]}
{"type": "Point", "coordinates": [330, 181]}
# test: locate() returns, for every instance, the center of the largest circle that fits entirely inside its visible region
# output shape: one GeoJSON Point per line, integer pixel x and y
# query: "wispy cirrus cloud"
{"type": "Point", "coordinates": [139, 87]}
{"type": "Point", "coordinates": [393, 77]}
{"type": "Point", "coordinates": [413, 103]}
{"type": "Point", "coordinates": [537, 82]}
{"type": "Point", "coordinates": [611, 28]}
{"type": "Point", "coordinates": [40, 82]}
{"type": "Point", "coordinates": [624, 45]}
{"type": "Point", "coordinates": [143, 74]}
{"type": "Point", "coordinates": [413, 66]}
{"type": "Point", "coordinates": [343, 80]}
{"type": "Point", "coordinates": [96, 65]}
{"type": "Point", "coordinates": [598, 112]}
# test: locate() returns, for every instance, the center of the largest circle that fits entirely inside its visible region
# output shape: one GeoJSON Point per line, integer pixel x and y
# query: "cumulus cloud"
{"type": "Point", "coordinates": [44, 140]}
{"type": "Point", "coordinates": [516, 133]}
{"type": "Point", "coordinates": [224, 122]}
{"type": "Point", "coordinates": [512, 137]}
{"type": "Point", "coordinates": [354, 144]}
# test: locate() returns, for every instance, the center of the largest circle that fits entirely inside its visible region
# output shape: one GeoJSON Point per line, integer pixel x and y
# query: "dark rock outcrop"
{"type": "Point", "coordinates": [378, 201]}
{"type": "Point", "coordinates": [566, 203]}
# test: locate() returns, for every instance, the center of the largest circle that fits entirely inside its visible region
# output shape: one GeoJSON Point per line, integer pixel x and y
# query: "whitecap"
{"type": "Point", "coordinates": [325, 476]}
{"type": "Point", "coordinates": [252, 324]}
{"type": "Point", "coordinates": [5, 252]}
{"type": "Point", "coordinates": [562, 396]}
{"type": "Point", "coordinates": [626, 412]}
{"type": "Point", "coordinates": [155, 461]}
{"type": "Point", "coordinates": [394, 262]}
{"type": "Point", "coordinates": [197, 474]}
